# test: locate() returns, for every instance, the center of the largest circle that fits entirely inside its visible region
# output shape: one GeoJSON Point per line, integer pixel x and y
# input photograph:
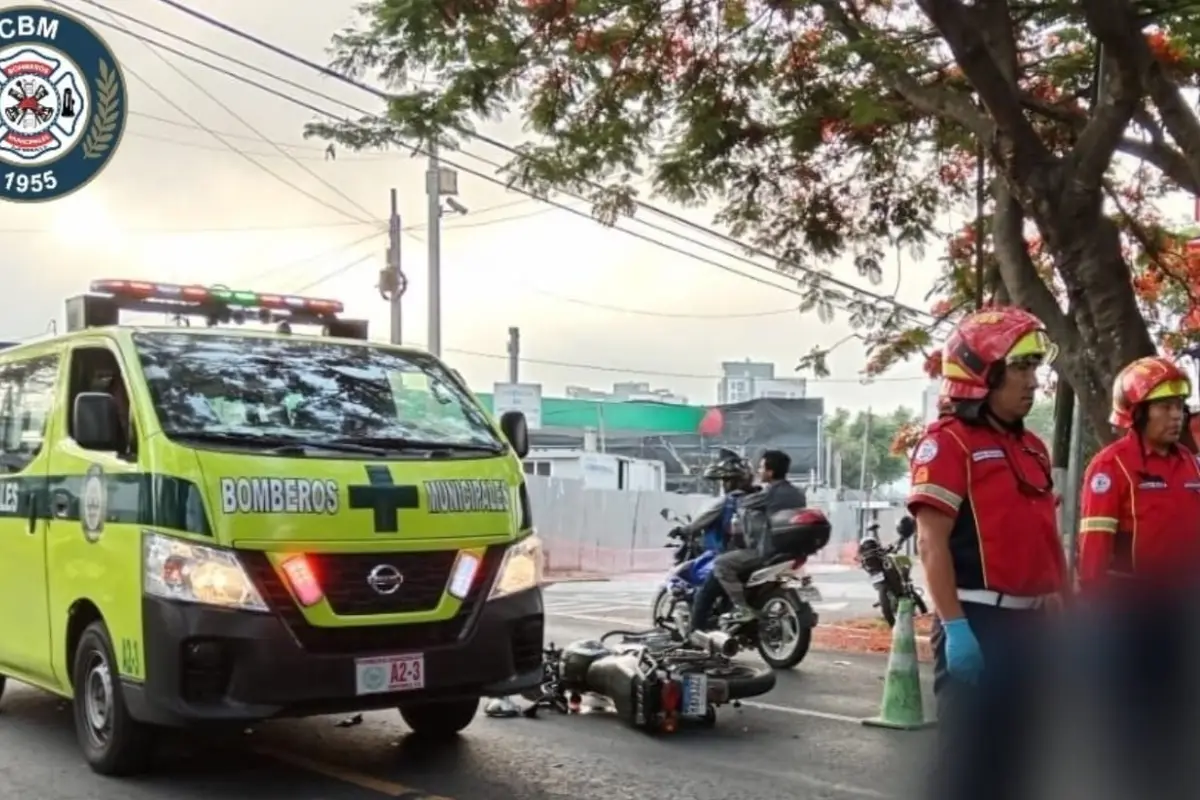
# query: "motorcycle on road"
{"type": "Point", "coordinates": [890, 570]}
{"type": "Point", "coordinates": [782, 590]}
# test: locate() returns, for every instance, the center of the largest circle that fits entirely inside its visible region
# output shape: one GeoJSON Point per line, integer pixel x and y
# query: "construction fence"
{"type": "Point", "coordinates": [614, 532]}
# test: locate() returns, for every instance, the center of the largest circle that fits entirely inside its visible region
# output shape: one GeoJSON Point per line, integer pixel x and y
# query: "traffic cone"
{"type": "Point", "coordinates": [903, 708]}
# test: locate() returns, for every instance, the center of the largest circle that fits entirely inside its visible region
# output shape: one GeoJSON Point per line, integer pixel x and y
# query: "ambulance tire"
{"type": "Point", "coordinates": [440, 721]}
{"type": "Point", "coordinates": [113, 742]}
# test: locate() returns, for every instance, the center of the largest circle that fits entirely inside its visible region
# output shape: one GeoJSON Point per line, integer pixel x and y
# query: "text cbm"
{"type": "Point", "coordinates": [27, 26]}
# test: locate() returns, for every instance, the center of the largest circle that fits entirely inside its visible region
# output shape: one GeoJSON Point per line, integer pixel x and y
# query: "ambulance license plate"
{"type": "Point", "coordinates": [695, 695]}
{"type": "Point", "coordinates": [383, 674]}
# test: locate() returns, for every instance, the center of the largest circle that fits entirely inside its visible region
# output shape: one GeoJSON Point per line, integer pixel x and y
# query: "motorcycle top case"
{"type": "Point", "coordinates": [799, 532]}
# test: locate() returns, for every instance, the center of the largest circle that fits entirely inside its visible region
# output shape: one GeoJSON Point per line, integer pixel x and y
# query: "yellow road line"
{"type": "Point", "coordinates": [362, 780]}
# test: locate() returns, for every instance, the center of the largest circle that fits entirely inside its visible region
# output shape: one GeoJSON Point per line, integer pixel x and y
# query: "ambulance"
{"type": "Point", "coordinates": [206, 521]}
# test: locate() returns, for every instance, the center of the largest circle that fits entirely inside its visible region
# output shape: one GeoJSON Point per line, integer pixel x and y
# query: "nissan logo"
{"type": "Point", "coordinates": [385, 579]}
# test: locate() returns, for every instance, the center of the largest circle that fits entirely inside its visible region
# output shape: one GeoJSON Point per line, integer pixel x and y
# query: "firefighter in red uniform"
{"type": "Point", "coordinates": [984, 504]}
{"type": "Point", "coordinates": [1139, 559]}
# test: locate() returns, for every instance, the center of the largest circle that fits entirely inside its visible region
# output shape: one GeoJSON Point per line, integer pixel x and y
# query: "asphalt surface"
{"type": "Point", "coordinates": [804, 741]}
{"type": "Point", "coordinates": [846, 593]}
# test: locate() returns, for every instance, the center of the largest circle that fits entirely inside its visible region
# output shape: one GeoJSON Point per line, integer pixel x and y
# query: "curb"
{"type": "Point", "coordinates": [845, 639]}
{"type": "Point", "coordinates": [550, 581]}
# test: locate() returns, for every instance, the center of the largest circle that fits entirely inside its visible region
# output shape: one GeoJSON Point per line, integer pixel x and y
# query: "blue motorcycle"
{"type": "Point", "coordinates": [782, 590]}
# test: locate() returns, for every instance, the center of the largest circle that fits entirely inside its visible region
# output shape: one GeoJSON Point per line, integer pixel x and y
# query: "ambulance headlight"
{"type": "Point", "coordinates": [192, 573]}
{"type": "Point", "coordinates": [521, 568]}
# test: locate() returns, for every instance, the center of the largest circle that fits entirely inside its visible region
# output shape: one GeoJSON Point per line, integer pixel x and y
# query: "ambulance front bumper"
{"type": "Point", "coordinates": [211, 665]}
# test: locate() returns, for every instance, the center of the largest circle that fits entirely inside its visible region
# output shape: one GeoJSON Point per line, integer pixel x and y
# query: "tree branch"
{"type": "Point", "coordinates": [1119, 29]}
{"type": "Point", "coordinates": [932, 100]}
{"type": "Point", "coordinates": [961, 31]}
{"type": "Point", "coordinates": [1121, 95]}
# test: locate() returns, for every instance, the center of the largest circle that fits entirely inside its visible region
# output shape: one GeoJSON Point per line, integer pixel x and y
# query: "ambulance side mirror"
{"type": "Point", "coordinates": [516, 430]}
{"type": "Point", "coordinates": [96, 422]}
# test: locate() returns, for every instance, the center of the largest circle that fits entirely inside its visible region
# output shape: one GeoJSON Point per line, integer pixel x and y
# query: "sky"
{"type": "Point", "coordinates": [178, 203]}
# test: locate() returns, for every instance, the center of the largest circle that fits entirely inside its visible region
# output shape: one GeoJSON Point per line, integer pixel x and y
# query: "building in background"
{"type": "Point", "coordinates": [742, 381]}
{"type": "Point", "coordinates": [626, 392]}
{"type": "Point", "coordinates": [929, 401]}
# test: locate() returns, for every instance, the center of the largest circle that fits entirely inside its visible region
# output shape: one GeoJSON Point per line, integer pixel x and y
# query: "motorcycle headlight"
{"type": "Point", "coordinates": [521, 568]}
{"type": "Point", "coordinates": [175, 569]}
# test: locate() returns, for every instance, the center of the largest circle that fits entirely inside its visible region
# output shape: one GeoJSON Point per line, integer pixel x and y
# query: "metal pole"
{"type": "Point", "coordinates": [394, 264]}
{"type": "Point", "coordinates": [514, 355]}
{"type": "Point", "coordinates": [434, 196]}
{"type": "Point", "coordinates": [862, 477]}
{"type": "Point", "coordinates": [1070, 496]}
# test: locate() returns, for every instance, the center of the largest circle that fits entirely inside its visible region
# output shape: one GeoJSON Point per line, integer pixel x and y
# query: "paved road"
{"type": "Point", "coordinates": [803, 741]}
{"type": "Point", "coordinates": [846, 594]}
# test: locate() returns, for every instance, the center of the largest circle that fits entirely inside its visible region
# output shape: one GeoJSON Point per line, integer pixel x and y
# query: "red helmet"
{"type": "Point", "coordinates": [981, 340]}
{"type": "Point", "coordinates": [1151, 378]}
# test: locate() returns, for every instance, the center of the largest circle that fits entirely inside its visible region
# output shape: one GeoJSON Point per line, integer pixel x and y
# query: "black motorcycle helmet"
{"type": "Point", "coordinates": [731, 470]}
{"type": "Point", "coordinates": [576, 658]}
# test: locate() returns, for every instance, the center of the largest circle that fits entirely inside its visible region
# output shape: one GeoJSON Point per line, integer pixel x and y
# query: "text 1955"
{"type": "Point", "coordinates": [24, 183]}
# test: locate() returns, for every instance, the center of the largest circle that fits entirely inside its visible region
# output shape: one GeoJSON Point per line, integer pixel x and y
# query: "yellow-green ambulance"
{"type": "Point", "coordinates": [205, 523]}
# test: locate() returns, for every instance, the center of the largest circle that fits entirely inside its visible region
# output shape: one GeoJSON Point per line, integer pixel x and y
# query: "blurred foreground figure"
{"type": "Point", "coordinates": [986, 521]}
{"type": "Point", "coordinates": [1139, 560]}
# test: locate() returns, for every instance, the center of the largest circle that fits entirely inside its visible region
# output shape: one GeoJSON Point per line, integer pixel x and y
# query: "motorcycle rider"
{"type": "Point", "coordinates": [983, 501]}
{"type": "Point", "coordinates": [1139, 554]}
{"type": "Point", "coordinates": [713, 525]}
{"type": "Point", "coordinates": [779, 494]}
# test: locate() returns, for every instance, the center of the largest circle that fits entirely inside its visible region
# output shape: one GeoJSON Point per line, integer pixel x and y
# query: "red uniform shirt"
{"type": "Point", "coordinates": [997, 487]}
{"type": "Point", "coordinates": [1140, 513]}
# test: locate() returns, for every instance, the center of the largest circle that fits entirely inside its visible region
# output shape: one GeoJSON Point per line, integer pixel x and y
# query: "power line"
{"type": "Point", "coordinates": [249, 126]}
{"type": "Point", "coordinates": [231, 229]}
{"type": "Point", "coordinates": [642, 312]}
{"type": "Point", "coordinates": [676, 218]}
{"type": "Point", "coordinates": [333, 274]}
{"type": "Point", "coordinates": [492, 179]}
{"type": "Point", "coordinates": [318, 257]}
{"type": "Point", "coordinates": [658, 374]}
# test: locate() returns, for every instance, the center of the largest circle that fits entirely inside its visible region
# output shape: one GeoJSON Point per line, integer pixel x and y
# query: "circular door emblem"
{"type": "Point", "coordinates": [93, 503]}
{"type": "Point", "coordinates": [62, 104]}
{"type": "Point", "coordinates": [385, 579]}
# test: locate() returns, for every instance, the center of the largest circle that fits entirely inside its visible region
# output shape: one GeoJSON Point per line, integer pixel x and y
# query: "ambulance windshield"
{"type": "Point", "coordinates": [305, 389]}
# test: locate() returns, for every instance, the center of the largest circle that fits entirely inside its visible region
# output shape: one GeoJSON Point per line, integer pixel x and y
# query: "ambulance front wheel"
{"type": "Point", "coordinates": [440, 720]}
{"type": "Point", "coordinates": [113, 742]}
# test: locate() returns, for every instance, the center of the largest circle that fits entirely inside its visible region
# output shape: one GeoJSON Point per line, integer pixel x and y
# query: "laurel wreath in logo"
{"type": "Point", "coordinates": [103, 128]}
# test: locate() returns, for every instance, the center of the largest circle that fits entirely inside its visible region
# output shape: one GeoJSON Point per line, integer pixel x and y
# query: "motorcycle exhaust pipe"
{"type": "Point", "coordinates": [717, 643]}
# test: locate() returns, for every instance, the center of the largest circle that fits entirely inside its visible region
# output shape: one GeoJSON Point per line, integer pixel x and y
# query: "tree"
{"type": "Point", "coordinates": [883, 465]}
{"type": "Point", "coordinates": [848, 128]}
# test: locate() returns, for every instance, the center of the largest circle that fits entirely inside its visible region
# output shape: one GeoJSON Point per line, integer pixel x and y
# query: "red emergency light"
{"type": "Point", "coordinates": [216, 295]}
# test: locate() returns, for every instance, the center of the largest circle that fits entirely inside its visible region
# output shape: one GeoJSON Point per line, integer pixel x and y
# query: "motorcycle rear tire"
{"type": "Point", "coordinates": [744, 680]}
{"type": "Point", "coordinates": [803, 636]}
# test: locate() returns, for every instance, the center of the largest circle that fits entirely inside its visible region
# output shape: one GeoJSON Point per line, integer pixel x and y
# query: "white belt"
{"type": "Point", "coordinates": [985, 597]}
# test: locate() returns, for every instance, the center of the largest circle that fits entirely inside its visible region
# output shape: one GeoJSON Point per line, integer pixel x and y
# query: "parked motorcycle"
{"type": "Point", "coordinates": [890, 570]}
{"type": "Point", "coordinates": [782, 589]}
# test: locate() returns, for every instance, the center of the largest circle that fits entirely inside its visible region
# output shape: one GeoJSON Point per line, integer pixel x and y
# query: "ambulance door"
{"type": "Point", "coordinates": [28, 394]}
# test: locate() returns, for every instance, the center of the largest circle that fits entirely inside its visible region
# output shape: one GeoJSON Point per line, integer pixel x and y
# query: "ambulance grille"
{"type": "Point", "coordinates": [343, 578]}
{"type": "Point", "coordinates": [366, 639]}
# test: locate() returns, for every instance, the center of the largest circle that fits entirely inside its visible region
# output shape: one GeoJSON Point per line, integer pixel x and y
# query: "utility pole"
{"type": "Point", "coordinates": [392, 280]}
{"type": "Point", "coordinates": [433, 194]}
{"type": "Point", "coordinates": [862, 476]}
{"type": "Point", "coordinates": [514, 355]}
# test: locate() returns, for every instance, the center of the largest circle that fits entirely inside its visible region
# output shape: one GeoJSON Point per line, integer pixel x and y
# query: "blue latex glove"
{"type": "Point", "coordinates": [964, 659]}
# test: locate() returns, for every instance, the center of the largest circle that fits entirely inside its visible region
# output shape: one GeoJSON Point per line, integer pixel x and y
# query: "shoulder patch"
{"type": "Point", "coordinates": [1101, 483]}
{"type": "Point", "coordinates": [927, 450]}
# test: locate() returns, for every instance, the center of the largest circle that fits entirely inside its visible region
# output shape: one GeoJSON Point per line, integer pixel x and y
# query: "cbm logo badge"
{"type": "Point", "coordinates": [62, 104]}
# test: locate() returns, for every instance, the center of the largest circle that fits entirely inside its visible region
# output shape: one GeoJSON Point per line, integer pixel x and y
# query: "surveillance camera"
{"type": "Point", "coordinates": [456, 206]}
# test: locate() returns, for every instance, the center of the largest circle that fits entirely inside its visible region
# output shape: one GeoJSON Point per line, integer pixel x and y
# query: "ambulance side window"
{"type": "Point", "coordinates": [96, 369]}
{"type": "Point", "coordinates": [26, 402]}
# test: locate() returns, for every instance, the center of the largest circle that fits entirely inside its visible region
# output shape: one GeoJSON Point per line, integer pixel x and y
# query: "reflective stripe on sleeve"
{"type": "Point", "coordinates": [1097, 525]}
{"type": "Point", "coordinates": [932, 491]}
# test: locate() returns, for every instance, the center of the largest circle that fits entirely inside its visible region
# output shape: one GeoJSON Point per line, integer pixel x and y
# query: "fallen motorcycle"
{"type": "Point", "coordinates": [890, 571]}
{"type": "Point", "coordinates": [654, 678]}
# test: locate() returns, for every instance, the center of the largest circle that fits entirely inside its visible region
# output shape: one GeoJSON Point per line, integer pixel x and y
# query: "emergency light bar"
{"type": "Point", "coordinates": [217, 305]}
{"type": "Point", "coordinates": [216, 295]}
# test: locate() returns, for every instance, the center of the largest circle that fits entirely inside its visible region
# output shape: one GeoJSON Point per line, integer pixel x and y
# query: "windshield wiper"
{"type": "Point", "coordinates": [401, 443]}
{"type": "Point", "coordinates": [282, 445]}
